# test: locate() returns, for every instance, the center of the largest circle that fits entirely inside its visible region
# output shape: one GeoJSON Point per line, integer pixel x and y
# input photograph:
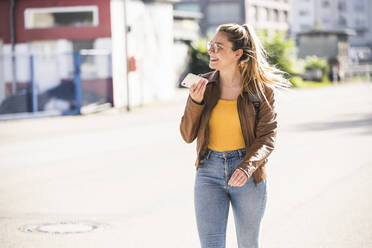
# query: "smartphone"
{"type": "Point", "coordinates": [191, 79]}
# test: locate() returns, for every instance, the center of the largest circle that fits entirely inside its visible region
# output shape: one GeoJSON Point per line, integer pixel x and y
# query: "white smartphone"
{"type": "Point", "coordinates": [191, 79]}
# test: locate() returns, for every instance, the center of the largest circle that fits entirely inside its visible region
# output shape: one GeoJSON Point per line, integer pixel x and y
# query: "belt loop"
{"type": "Point", "coordinates": [240, 153]}
{"type": "Point", "coordinates": [208, 154]}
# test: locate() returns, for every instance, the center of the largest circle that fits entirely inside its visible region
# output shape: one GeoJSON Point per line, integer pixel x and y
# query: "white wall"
{"type": "Point", "coordinates": [119, 62]}
{"type": "Point", "coordinates": [22, 62]}
{"type": "Point", "coordinates": [103, 62]}
{"type": "Point", "coordinates": [180, 59]}
{"type": "Point", "coordinates": [150, 41]}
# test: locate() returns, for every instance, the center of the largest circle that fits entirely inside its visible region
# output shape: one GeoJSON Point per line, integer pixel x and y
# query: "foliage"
{"type": "Point", "coordinates": [298, 82]}
{"type": "Point", "coordinates": [199, 58]}
{"type": "Point", "coordinates": [279, 48]}
{"type": "Point", "coordinates": [314, 63]}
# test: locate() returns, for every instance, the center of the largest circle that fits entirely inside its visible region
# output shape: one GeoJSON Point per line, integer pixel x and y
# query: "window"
{"type": "Point", "coordinates": [342, 6]}
{"type": "Point", "coordinates": [325, 4]}
{"type": "Point", "coordinates": [285, 13]}
{"type": "Point", "coordinates": [303, 12]}
{"type": "Point", "coordinates": [325, 20]}
{"type": "Point", "coordinates": [61, 16]}
{"type": "Point", "coordinates": [192, 7]}
{"type": "Point", "coordinates": [223, 12]}
{"type": "Point", "coordinates": [342, 21]}
{"type": "Point", "coordinates": [276, 15]}
{"type": "Point", "coordinates": [360, 22]}
{"type": "Point", "coordinates": [256, 13]}
{"type": "Point", "coordinates": [360, 33]}
{"type": "Point", "coordinates": [305, 26]}
{"type": "Point", "coordinates": [359, 6]}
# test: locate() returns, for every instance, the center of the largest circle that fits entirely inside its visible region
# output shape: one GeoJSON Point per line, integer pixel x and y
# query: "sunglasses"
{"type": "Point", "coordinates": [214, 46]}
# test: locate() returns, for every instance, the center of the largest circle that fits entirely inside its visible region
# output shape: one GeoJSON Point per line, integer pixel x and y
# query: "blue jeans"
{"type": "Point", "coordinates": [212, 197]}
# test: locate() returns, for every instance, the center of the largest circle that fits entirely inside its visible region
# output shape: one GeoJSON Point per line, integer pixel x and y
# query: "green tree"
{"type": "Point", "coordinates": [279, 48]}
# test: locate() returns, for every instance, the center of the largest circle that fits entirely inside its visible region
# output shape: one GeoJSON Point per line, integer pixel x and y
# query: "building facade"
{"type": "Point", "coordinates": [118, 42]}
{"type": "Point", "coordinates": [269, 14]}
{"type": "Point", "coordinates": [262, 14]}
{"type": "Point", "coordinates": [334, 15]}
{"type": "Point", "coordinates": [45, 36]}
{"type": "Point", "coordinates": [332, 46]}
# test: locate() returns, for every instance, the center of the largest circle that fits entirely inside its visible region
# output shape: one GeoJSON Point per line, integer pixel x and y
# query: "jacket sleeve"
{"type": "Point", "coordinates": [191, 119]}
{"type": "Point", "coordinates": [266, 131]}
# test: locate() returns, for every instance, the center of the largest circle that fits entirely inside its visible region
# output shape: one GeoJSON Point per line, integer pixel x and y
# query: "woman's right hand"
{"type": "Point", "coordinates": [197, 90]}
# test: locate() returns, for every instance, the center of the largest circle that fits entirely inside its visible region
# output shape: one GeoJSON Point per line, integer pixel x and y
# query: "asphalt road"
{"type": "Point", "coordinates": [132, 175]}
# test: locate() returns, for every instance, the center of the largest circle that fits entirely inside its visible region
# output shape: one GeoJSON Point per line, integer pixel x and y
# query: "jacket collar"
{"type": "Point", "coordinates": [214, 76]}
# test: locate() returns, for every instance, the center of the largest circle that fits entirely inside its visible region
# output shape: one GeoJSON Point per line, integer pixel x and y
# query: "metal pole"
{"type": "Point", "coordinates": [77, 82]}
{"type": "Point", "coordinates": [126, 51]}
{"type": "Point", "coordinates": [12, 41]}
{"type": "Point", "coordinates": [33, 86]}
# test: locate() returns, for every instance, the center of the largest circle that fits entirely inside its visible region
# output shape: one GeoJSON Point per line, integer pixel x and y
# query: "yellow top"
{"type": "Point", "coordinates": [225, 133]}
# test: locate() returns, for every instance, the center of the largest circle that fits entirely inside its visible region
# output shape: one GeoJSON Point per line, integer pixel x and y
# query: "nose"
{"type": "Point", "coordinates": [210, 50]}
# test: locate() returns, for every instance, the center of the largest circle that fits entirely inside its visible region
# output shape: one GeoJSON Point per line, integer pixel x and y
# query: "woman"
{"type": "Point", "coordinates": [233, 141]}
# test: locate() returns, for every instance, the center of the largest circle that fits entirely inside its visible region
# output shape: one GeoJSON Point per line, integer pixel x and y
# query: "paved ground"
{"type": "Point", "coordinates": [134, 173]}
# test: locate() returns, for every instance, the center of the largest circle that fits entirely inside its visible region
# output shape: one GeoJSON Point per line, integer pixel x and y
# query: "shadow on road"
{"type": "Point", "coordinates": [323, 126]}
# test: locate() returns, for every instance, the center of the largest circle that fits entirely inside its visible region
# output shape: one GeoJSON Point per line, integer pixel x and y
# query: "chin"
{"type": "Point", "coordinates": [212, 66]}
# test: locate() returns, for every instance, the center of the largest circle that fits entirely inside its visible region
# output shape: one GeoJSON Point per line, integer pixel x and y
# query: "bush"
{"type": "Point", "coordinates": [199, 57]}
{"type": "Point", "coordinates": [314, 64]}
{"type": "Point", "coordinates": [296, 81]}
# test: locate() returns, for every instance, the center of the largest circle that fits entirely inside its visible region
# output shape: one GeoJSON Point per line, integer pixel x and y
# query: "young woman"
{"type": "Point", "coordinates": [233, 141]}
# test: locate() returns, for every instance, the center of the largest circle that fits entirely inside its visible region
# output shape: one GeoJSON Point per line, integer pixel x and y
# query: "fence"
{"type": "Point", "coordinates": [54, 84]}
{"type": "Point", "coordinates": [360, 70]}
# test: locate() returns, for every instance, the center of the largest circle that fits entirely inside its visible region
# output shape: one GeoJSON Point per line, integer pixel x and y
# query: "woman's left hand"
{"type": "Point", "coordinates": [238, 178]}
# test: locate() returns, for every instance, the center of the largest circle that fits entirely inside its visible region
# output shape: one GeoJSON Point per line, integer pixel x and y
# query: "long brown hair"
{"type": "Point", "coordinates": [253, 66]}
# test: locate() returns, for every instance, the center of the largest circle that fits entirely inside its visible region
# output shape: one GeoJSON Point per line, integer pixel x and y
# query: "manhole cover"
{"type": "Point", "coordinates": [66, 227]}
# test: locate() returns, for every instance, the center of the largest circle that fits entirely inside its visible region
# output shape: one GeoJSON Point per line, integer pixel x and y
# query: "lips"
{"type": "Point", "coordinates": [213, 59]}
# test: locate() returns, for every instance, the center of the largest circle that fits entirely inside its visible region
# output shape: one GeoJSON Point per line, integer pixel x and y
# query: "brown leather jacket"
{"type": "Point", "coordinates": [259, 144]}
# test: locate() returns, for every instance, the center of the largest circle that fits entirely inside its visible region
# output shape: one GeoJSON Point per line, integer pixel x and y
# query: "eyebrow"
{"type": "Point", "coordinates": [218, 43]}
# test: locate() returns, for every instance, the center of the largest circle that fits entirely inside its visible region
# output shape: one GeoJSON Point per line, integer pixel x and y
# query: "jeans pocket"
{"type": "Point", "coordinates": [204, 161]}
{"type": "Point", "coordinates": [201, 163]}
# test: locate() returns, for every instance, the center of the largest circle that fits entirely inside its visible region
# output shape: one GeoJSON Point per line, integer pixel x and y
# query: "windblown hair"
{"type": "Point", "coordinates": [253, 66]}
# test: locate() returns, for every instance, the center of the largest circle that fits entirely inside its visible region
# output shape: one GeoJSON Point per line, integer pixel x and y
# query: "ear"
{"type": "Point", "coordinates": [238, 54]}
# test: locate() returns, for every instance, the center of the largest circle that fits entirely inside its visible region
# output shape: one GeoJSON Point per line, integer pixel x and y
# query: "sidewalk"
{"type": "Point", "coordinates": [132, 174]}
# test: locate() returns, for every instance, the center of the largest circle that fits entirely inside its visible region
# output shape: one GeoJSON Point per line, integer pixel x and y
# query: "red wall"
{"type": "Point", "coordinates": [71, 33]}
{"type": "Point", "coordinates": [4, 21]}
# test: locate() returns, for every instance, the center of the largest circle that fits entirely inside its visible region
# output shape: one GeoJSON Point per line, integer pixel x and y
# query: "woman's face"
{"type": "Point", "coordinates": [221, 54]}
